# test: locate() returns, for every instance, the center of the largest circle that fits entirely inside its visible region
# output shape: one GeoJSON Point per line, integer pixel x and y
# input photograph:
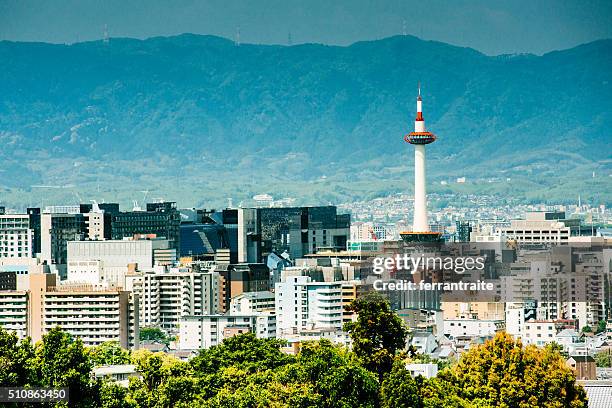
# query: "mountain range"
{"type": "Point", "coordinates": [197, 119]}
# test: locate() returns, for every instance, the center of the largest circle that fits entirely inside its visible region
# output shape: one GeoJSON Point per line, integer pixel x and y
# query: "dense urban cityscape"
{"type": "Point", "coordinates": [297, 234]}
{"type": "Point", "coordinates": [178, 283]}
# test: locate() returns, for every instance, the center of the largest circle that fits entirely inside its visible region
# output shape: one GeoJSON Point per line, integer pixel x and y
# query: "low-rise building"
{"type": "Point", "coordinates": [252, 302]}
{"type": "Point", "coordinates": [429, 370]}
{"type": "Point", "coordinates": [472, 327]}
{"type": "Point", "coordinates": [584, 367]}
{"type": "Point", "coordinates": [204, 331]}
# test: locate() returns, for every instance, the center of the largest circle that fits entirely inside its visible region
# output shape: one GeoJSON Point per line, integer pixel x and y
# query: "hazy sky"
{"type": "Point", "coordinates": [490, 26]}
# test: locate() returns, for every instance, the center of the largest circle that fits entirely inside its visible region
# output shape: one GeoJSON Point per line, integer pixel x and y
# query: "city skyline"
{"type": "Point", "coordinates": [228, 204]}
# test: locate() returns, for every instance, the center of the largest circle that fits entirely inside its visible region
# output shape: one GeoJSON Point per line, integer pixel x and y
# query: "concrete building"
{"type": "Point", "coordinates": [544, 226]}
{"type": "Point", "coordinates": [160, 219]}
{"type": "Point", "coordinates": [248, 303]}
{"type": "Point", "coordinates": [473, 310]}
{"type": "Point", "coordinates": [55, 232]}
{"type": "Point", "coordinates": [515, 320]}
{"type": "Point", "coordinates": [92, 315]}
{"type": "Point", "coordinates": [239, 278]}
{"type": "Point", "coordinates": [423, 342]}
{"type": "Point", "coordinates": [349, 294]}
{"type": "Point", "coordinates": [167, 295]}
{"type": "Point", "coordinates": [106, 262]}
{"type": "Point", "coordinates": [472, 327]}
{"type": "Point", "coordinates": [204, 331]}
{"type": "Point", "coordinates": [295, 230]}
{"type": "Point", "coordinates": [304, 304]}
{"type": "Point", "coordinates": [542, 332]}
{"type": "Point", "coordinates": [14, 311]}
{"type": "Point", "coordinates": [16, 236]}
{"type": "Point", "coordinates": [119, 373]}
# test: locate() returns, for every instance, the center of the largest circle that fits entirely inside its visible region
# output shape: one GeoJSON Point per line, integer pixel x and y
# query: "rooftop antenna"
{"type": "Point", "coordinates": [105, 34]}
{"type": "Point", "coordinates": [144, 198]}
{"type": "Point", "coordinates": [404, 27]}
{"type": "Point", "coordinates": [230, 203]}
{"type": "Point", "coordinates": [237, 42]}
{"type": "Point", "coordinates": [289, 40]}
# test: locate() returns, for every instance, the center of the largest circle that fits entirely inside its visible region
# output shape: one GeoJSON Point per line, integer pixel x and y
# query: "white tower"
{"type": "Point", "coordinates": [419, 138]}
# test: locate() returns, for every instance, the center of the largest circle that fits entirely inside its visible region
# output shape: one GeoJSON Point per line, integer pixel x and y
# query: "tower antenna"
{"type": "Point", "coordinates": [105, 34]}
{"type": "Point", "coordinates": [404, 27]}
{"type": "Point", "coordinates": [237, 42]}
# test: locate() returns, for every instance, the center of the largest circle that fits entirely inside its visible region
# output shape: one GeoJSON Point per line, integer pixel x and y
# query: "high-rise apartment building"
{"type": "Point", "coordinates": [167, 295]}
{"type": "Point", "coordinates": [14, 311]}
{"type": "Point", "coordinates": [91, 314]}
{"type": "Point", "coordinates": [304, 304]}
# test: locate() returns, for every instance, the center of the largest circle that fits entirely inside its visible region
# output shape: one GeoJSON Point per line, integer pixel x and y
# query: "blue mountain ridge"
{"type": "Point", "coordinates": [199, 118]}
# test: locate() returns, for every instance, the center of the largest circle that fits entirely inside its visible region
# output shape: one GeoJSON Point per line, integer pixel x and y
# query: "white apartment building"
{"type": "Point", "coordinates": [14, 311]}
{"type": "Point", "coordinates": [303, 304]}
{"type": "Point", "coordinates": [92, 315]}
{"type": "Point", "coordinates": [15, 236]}
{"type": "Point", "coordinates": [539, 332]}
{"type": "Point", "coordinates": [168, 295]}
{"type": "Point", "coordinates": [252, 302]}
{"type": "Point", "coordinates": [204, 331]}
{"type": "Point", "coordinates": [106, 262]}
{"type": "Point", "coordinates": [472, 327]}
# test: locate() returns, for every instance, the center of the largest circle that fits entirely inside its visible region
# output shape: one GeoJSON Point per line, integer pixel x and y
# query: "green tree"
{"type": "Point", "coordinates": [16, 360]}
{"type": "Point", "coordinates": [587, 329]}
{"type": "Point", "coordinates": [113, 395]}
{"type": "Point", "coordinates": [604, 359]}
{"type": "Point", "coordinates": [503, 373]}
{"type": "Point", "coordinates": [245, 351]}
{"type": "Point", "coordinates": [109, 352]}
{"type": "Point", "coordinates": [378, 334]}
{"type": "Point", "coordinates": [153, 334]}
{"type": "Point", "coordinates": [61, 361]}
{"type": "Point", "coordinates": [601, 326]}
{"type": "Point", "coordinates": [166, 381]}
{"type": "Point", "coordinates": [399, 389]}
{"type": "Point", "coordinates": [336, 374]}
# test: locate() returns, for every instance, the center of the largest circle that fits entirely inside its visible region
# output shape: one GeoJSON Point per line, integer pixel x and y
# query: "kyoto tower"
{"type": "Point", "coordinates": [419, 138]}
